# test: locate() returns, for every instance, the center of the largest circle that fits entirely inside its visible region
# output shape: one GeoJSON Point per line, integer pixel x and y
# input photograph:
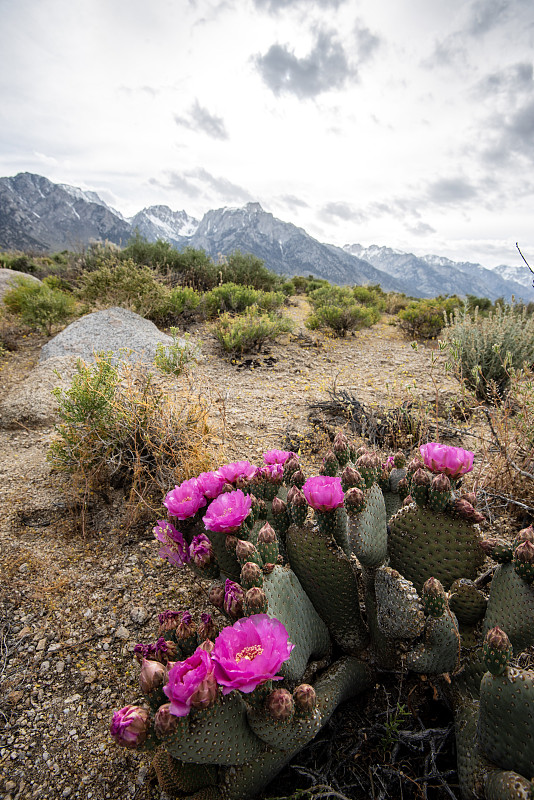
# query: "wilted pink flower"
{"type": "Point", "coordinates": [185, 500]}
{"type": "Point", "coordinates": [274, 473]}
{"type": "Point", "coordinates": [191, 684]}
{"type": "Point", "coordinates": [210, 484]}
{"type": "Point", "coordinates": [250, 652]}
{"type": "Point", "coordinates": [452, 461]}
{"type": "Point", "coordinates": [233, 599]}
{"type": "Point", "coordinates": [174, 548]}
{"type": "Point", "coordinates": [227, 512]}
{"type": "Point", "coordinates": [323, 493]}
{"type": "Point", "coordinates": [278, 456]}
{"type": "Point", "coordinates": [201, 550]}
{"type": "Point", "coordinates": [231, 472]}
{"type": "Point", "coordinates": [153, 675]}
{"type": "Point", "coordinates": [129, 726]}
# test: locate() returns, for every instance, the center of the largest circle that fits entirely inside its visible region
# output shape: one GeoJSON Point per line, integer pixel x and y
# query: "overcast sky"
{"type": "Point", "coordinates": [405, 123]}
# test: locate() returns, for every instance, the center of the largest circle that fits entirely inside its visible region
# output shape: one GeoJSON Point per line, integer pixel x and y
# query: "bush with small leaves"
{"type": "Point", "coordinates": [424, 319]}
{"type": "Point", "coordinates": [235, 298]}
{"type": "Point", "coordinates": [335, 308]}
{"type": "Point", "coordinates": [39, 305]}
{"type": "Point", "coordinates": [174, 358]}
{"type": "Point", "coordinates": [485, 351]}
{"type": "Point", "coordinates": [250, 330]}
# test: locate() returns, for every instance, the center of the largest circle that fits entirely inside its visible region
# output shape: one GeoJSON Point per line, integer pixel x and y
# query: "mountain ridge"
{"type": "Point", "coordinates": [37, 214]}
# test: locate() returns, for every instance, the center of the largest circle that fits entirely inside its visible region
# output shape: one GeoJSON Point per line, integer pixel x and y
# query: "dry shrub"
{"type": "Point", "coordinates": [121, 427]}
{"type": "Point", "coordinates": [507, 478]}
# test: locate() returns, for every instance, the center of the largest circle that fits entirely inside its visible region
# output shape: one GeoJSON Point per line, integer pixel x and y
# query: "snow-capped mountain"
{"type": "Point", "coordinates": [431, 275]}
{"type": "Point", "coordinates": [36, 214]}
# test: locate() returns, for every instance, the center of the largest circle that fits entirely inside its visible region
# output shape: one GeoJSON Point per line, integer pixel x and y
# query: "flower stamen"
{"type": "Point", "coordinates": [249, 653]}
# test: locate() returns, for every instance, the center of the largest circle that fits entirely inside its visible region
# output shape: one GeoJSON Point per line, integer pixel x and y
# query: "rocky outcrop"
{"type": "Point", "coordinates": [9, 278]}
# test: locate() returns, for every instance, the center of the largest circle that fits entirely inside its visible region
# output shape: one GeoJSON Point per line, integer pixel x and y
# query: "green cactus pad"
{"type": "Point", "coordinates": [334, 523]}
{"type": "Point", "coordinates": [425, 543]}
{"type": "Point", "coordinates": [218, 735]}
{"type": "Point", "coordinates": [343, 680]}
{"type": "Point", "coordinates": [177, 778]}
{"type": "Point", "coordinates": [400, 612]}
{"type": "Point", "coordinates": [506, 785]}
{"type": "Point", "coordinates": [467, 602]}
{"type": "Point", "coordinates": [506, 720]}
{"type": "Point", "coordinates": [289, 603]}
{"type": "Point", "coordinates": [440, 650]}
{"type": "Point", "coordinates": [471, 765]}
{"type": "Point", "coordinates": [285, 736]}
{"type": "Point", "coordinates": [329, 579]}
{"type": "Point", "coordinates": [368, 530]}
{"type": "Point", "coordinates": [511, 607]}
{"type": "Point", "coordinates": [393, 502]}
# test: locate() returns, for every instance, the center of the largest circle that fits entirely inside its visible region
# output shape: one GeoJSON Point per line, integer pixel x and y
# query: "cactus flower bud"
{"type": "Point", "coordinates": [246, 551]}
{"type": "Point", "coordinates": [216, 595]}
{"type": "Point", "coordinates": [399, 459]}
{"type": "Point", "coordinates": [465, 510]}
{"type": "Point", "coordinates": [440, 492]}
{"type": "Point", "coordinates": [130, 726]}
{"type": "Point", "coordinates": [497, 651]}
{"type": "Point", "coordinates": [350, 477]}
{"type": "Point", "coordinates": [207, 628]}
{"type": "Point", "coordinates": [524, 535]}
{"type": "Point", "coordinates": [341, 448]}
{"type": "Point", "coordinates": [305, 699]}
{"type": "Point", "coordinates": [414, 465]}
{"type": "Point", "coordinates": [354, 501]}
{"type": "Point", "coordinates": [201, 551]}
{"type": "Point", "coordinates": [330, 464]}
{"type": "Point", "coordinates": [298, 508]}
{"type": "Point", "coordinates": [251, 575]}
{"type": "Point", "coordinates": [165, 723]}
{"type": "Point", "coordinates": [207, 691]}
{"type": "Point", "coordinates": [434, 598]}
{"type": "Point", "coordinates": [206, 645]}
{"type": "Point", "coordinates": [268, 544]}
{"type": "Point", "coordinates": [498, 549]}
{"type": "Point", "coordinates": [168, 620]}
{"type": "Point", "coordinates": [403, 489]}
{"type": "Point", "coordinates": [420, 486]}
{"type": "Point", "coordinates": [152, 676]}
{"type": "Point", "coordinates": [256, 601]}
{"type": "Point", "coordinates": [298, 479]}
{"type": "Point", "coordinates": [524, 561]}
{"type": "Point", "coordinates": [408, 500]}
{"type": "Point", "coordinates": [186, 626]}
{"type": "Point", "coordinates": [233, 599]}
{"type": "Point", "coordinates": [470, 497]}
{"type": "Point", "coordinates": [369, 466]}
{"type": "Point", "coordinates": [291, 466]}
{"type": "Point", "coordinates": [279, 705]}
{"type": "Point", "coordinates": [278, 506]}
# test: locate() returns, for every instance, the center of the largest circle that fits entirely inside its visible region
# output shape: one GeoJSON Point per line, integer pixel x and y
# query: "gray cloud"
{"type": "Point", "coordinates": [421, 229]}
{"type": "Point", "coordinates": [325, 67]}
{"type": "Point", "coordinates": [293, 202]}
{"type": "Point", "coordinates": [200, 119]}
{"type": "Point", "coordinates": [509, 81]}
{"type": "Point", "coordinates": [513, 134]}
{"type": "Point", "coordinates": [341, 211]}
{"type": "Point", "coordinates": [366, 42]}
{"type": "Point", "coordinates": [199, 182]}
{"type": "Point", "coordinates": [450, 191]}
{"type": "Point", "coordinates": [275, 6]}
{"type": "Point", "coordinates": [485, 15]}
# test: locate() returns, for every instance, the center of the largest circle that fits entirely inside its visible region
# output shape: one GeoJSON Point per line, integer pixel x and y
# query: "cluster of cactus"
{"type": "Point", "coordinates": [323, 581]}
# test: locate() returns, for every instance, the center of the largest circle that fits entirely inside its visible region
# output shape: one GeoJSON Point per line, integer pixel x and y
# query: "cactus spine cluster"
{"type": "Point", "coordinates": [323, 561]}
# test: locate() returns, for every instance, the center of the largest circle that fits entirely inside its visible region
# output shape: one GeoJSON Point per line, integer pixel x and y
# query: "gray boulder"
{"type": "Point", "coordinates": [32, 404]}
{"type": "Point", "coordinates": [124, 333]}
{"type": "Point", "coordinates": [8, 279]}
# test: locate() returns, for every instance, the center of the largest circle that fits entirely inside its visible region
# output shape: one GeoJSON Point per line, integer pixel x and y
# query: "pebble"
{"type": "Point", "coordinates": [122, 633]}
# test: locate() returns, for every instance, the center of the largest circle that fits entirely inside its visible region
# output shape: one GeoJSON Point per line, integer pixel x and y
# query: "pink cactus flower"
{"type": "Point", "coordinates": [451, 461]}
{"type": "Point", "coordinates": [191, 684]}
{"type": "Point", "coordinates": [201, 551]}
{"type": "Point", "coordinates": [129, 726]}
{"type": "Point", "coordinates": [185, 500]}
{"type": "Point", "coordinates": [231, 472]}
{"type": "Point", "coordinates": [210, 484]}
{"type": "Point", "coordinates": [250, 652]}
{"type": "Point", "coordinates": [227, 512]}
{"type": "Point", "coordinates": [323, 493]}
{"type": "Point", "coordinates": [274, 473]}
{"type": "Point", "coordinates": [278, 456]}
{"type": "Point", "coordinates": [174, 548]}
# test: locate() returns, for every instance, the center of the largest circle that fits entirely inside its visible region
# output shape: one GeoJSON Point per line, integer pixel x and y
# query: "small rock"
{"type": "Point", "coordinates": [122, 633]}
{"type": "Point", "coordinates": [41, 645]}
{"type": "Point", "coordinates": [138, 614]}
{"type": "Point", "coordinates": [60, 667]}
{"type": "Point", "coordinates": [45, 666]}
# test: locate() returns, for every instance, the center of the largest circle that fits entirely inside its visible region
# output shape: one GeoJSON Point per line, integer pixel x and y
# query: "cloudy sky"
{"type": "Point", "coordinates": [406, 123]}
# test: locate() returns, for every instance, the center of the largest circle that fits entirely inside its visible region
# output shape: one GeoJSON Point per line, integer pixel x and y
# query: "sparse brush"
{"type": "Point", "coordinates": [119, 426]}
{"type": "Point", "coordinates": [234, 298]}
{"type": "Point", "coordinates": [174, 358]}
{"type": "Point", "coordinates": [425, 319]}
{"type": "Point", "coordinates": [39, 305]}
{"type": "Point", "coordinates": [249, 331]}
{"type": "Point", "coordinates": [484, 352]}
{"type": "Point", "coordinates": [337, 308]}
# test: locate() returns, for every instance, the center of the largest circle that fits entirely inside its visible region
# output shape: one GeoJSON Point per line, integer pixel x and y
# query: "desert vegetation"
{"type": "Point", "coordinates": [295, 551]}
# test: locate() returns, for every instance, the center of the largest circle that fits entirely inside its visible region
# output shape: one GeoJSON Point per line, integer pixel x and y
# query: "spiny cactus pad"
{"type": "Point", "coordinates": [399, 609]}
{"type": "Point", "coordinates": [506, 720]}
{"type": "Point", "coordinates": [511, 607]}
{"type": "Point", "coordinates": [329, 579]}
{"type": "Point", "coordinates": [425, 543]}
{"type": "Point", "coordinates": [467, 602]}
{"type": "Point", "coordinates": [368, 532]}
{"type": "Point", "coordinates": [440, 649]}
{"type": "Point", "coordinates": [506, 785]}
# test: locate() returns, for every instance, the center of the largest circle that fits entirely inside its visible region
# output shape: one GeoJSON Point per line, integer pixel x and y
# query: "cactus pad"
{"type": "Point", "coordinates": [511, 607]}
{"type": "Point", "coordinates": [399, 609]}
{"type": "Point", "coordinates": [368, 531]}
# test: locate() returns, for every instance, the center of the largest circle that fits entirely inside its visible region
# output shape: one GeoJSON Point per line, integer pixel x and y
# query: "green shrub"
{"type": "Point", "coordinates": [235, 298]}
{"type": "Point", "coordinates": [250, 330]}
{"type": "Point", "coordinates": [335, 308]}
{"type": "Point", "coordinates": [38, 305]}
{"type": "Point", "coordinates": [395, 302]}
{"type": "Point", "coordinates": [183, 301]}
{"type": "Point", "coordinates": [175, 357]}
{"type": "Point", "coordinates": [118, 427]}
{"type": "Point", "coordinates": [424, 319]}
{"type": "Point", "coordinates": [370, 296]}
{"type": "Point", "coordinates": [123, 283]}
{"type": "Point", "coordinates": [484, 352]}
